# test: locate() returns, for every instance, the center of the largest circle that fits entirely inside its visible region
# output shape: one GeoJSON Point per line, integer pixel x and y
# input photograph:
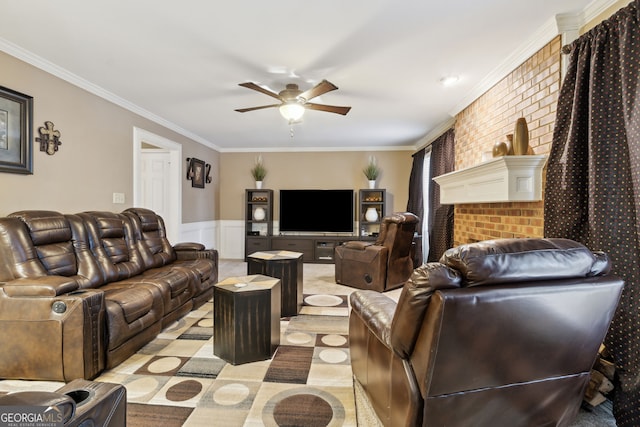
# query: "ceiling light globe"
{"type": "Point", "coordinates": [292, 111]}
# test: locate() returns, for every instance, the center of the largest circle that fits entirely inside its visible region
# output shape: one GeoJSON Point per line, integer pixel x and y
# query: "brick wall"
{"type": "Point", "coordinates": [530, 91]}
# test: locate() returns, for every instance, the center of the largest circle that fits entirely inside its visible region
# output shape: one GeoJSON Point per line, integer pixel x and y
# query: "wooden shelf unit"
{"type": "Point", "coordinates": [374, 198]}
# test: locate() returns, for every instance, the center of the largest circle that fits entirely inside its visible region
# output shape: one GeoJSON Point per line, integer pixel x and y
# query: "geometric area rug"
{"type": "Point", "coordinates": [176, 380]}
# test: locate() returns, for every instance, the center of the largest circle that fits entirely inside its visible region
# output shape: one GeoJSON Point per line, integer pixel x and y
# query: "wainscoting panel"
{"type": "Point", "coordinates": [231, 245]}
{"type": "Point", "coordinates": [205, 232]}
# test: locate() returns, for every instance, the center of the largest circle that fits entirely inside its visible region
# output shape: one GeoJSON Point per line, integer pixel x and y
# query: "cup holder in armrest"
{"type": "Point", "coordinates": [62, 404]}
{"type": "Point", "coordinates": [80, 396]}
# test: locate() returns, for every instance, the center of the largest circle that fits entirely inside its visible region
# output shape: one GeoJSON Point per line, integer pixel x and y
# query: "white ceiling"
{"type": "Point", "coordinates": [180, 62]}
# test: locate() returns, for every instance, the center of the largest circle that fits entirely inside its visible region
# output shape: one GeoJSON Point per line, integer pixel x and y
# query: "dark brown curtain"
{"type": "Point", "coordinates": [415, 204]}
{"type": "Point", "coordinates": [593, 177]}
{"type": "Point", "coordinates": [440, 216]}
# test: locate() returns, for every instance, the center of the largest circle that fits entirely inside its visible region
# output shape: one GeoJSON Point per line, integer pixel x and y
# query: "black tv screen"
{"type": "Point", "coordinates": [316, 211]}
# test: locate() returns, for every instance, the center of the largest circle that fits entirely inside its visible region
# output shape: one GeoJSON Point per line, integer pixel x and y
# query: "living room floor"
{"type": "Point", "coordinates": [320, 279]}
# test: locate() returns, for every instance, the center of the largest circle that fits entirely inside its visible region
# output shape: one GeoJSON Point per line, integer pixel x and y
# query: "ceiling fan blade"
{"type": "Point", "coordinates": [251, 85]}
{"type": "Point", "coordinates": [244, 110]}
{"type": "Point", "coordinates": [327, 108]}
{"type": "Point", "coordinates": [319, 89]}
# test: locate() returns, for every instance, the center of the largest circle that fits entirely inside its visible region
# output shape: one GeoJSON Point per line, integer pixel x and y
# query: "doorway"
{"type": "Point", "coordinates": [156, 178]}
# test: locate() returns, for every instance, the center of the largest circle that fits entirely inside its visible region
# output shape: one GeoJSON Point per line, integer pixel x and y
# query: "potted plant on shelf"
{"type": "Point", "coordinates": [258, 172]}
{"type": "Point", "coordinates": [372, 171]}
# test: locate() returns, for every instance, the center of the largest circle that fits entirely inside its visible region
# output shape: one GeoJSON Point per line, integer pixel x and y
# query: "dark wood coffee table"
{"type": "Point", "coordinates": [246, 318]}
{"type": "Point", "coordinates": [286, 266]}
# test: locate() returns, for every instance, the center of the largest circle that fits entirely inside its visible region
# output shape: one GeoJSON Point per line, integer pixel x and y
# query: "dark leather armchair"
{"type": "Point", "coordinates": [381, 265]}
{"type": "Point", "coordinates": [498, 333]}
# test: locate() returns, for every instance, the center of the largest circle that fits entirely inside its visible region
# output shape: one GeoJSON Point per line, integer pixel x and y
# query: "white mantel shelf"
{"type": "Point", "coordinates": [502, 179]}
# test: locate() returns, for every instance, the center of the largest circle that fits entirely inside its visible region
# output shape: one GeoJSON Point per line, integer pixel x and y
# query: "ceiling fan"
{"type": "Point", "coordinates": [294, 102]}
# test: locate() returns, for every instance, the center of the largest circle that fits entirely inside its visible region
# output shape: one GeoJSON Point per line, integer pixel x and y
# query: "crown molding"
{"type": "Point", "coordinates": [533, 44]}
{"type": "Point", "coordinates": [315, 149]}
{"type": "Point", "coordinates": [57, 71]}
{"type": "Point", "coordinates": [434, 133]}
{"type": "Point", "coordinates": [595, 9]}
{"type": "Point", "coordinates": [550, 29]}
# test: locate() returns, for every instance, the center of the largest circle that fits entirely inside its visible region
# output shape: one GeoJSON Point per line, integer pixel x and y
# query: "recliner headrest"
{"type": "Point", "coordinates": [45, 227]}
{"type": "Point", "coordinates": [521, 260]}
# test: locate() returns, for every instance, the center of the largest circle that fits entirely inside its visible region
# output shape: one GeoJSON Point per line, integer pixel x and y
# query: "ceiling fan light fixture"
{"type": "Point", "coordinates": [292, 111]}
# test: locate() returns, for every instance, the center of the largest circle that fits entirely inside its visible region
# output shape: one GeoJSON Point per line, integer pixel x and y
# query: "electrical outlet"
{"type": "Point", "coordinates": [118, 198]}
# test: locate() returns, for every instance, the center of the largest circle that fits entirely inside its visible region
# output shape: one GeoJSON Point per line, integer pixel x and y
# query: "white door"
{"type": "Point", "coordinates": [154, 182]}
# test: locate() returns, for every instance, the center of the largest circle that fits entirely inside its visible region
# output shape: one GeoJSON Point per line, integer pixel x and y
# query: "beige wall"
{"type": "Point", "coordinates": [312, 170]}
{"type": "Point", "coordinates": [96, 155]}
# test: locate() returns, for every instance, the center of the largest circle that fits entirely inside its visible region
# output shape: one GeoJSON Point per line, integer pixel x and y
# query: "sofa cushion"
{"type": "Point", "coordinates": [51, 238]}
{"type": "Point", "coordinates": [522, 260]}
{"type": "Point", "coordinates": [150, 234]}
{"type": "Point", "coordinates": [113, 244]}
{"type": "Point", "coordinates": [134, 301]}
{"type": "Point", "coordinates": [413, 303]}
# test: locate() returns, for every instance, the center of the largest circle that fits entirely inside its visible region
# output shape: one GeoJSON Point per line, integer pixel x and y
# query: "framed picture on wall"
{"type": "Point", "coordinates": [16, 124]}
{"type": "Point", "coordinates": [198, 173]}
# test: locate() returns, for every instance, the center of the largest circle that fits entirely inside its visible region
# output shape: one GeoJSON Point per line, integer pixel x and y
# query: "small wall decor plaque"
{"type": "Point", "coordinates": [196, 172]}
{"type": "Point", "coordinates": [49, 138]}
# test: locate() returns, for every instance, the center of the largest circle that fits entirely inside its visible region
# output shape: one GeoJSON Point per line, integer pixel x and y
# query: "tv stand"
{"type": "Point", "coordinates": [315, 249]}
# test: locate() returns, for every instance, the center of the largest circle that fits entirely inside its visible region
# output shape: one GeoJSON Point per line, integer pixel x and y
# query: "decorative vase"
{"type": "Point", "coordinates": [258, 185]}
{"type": "Point", "coordinates": [500, 149]}
{"type": "Point", "coordinates": [510, 144]}
{"type": "Point", "coordinates": [371, 215]}
{"type": "Point", "coordinates": [521, 137]}
{"type": "Point", "coordinates": [372, 184]}
{"type": "Point", "coordinates": [259, 214]}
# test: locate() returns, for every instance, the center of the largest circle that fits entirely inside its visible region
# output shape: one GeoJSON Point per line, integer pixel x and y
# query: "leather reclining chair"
{"type": "Point", "coordinates": [80, 403]}
{"type": "Point", "coordinates": [383, 265]}
{"type": "Point", "coordinates": [498, 333]}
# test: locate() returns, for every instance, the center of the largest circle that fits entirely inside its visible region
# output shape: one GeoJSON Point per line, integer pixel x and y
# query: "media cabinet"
{"type": "Point", "coordinates": [316, 248]}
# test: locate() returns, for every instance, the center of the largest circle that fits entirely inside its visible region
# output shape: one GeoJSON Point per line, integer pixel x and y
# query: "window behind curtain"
{"type": "Point", "coordinates": [426, 186]}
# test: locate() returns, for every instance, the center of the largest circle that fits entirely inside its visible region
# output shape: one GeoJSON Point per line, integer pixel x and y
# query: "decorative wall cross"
{"type": "Point", "coordinates": [49, 139]}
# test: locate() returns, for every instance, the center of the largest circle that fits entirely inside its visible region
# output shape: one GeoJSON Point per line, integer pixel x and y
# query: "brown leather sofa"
{"type": "Point", "coordinates": [80, 293]}
{"type": "Point", "coordinates": [381, 265]}
{"type": "Point", "coordinates": [498, 333]}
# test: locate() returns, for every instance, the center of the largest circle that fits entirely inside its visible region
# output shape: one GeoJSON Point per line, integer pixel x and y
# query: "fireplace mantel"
{"type": "Point", "coordinates": [502, 179]}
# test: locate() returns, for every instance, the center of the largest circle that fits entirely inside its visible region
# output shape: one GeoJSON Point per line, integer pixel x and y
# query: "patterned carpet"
{"type": "Point", "coordinates": [176, 380]}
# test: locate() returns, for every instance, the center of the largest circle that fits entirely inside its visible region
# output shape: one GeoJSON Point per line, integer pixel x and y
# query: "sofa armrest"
{"type": "Point", "coordinates": [42, 286]}
{"type": "Point", "coordinates": [357, 244]}
{"type": "Point", "coordinates": [376, 312]}
{"type": "Point", "coordinates": [211, 254]}
{"type": "Point", "coordinates": [52, 338]}
{"type": "Point", "coordinates": [188, 246]}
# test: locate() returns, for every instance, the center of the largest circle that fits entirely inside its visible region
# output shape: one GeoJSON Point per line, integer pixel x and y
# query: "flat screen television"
{"type": "Point", "coordinates": [316, 211]}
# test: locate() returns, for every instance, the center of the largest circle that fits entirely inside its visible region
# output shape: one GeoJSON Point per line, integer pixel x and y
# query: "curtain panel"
{"type": "Point", "coordinates": [415, 203]}
{"type": "Point", "coordinates": [592, 192]}
{"type": "Point", "coordinates": [440, 216]}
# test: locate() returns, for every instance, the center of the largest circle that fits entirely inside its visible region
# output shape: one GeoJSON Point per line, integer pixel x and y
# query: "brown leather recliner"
{"type": "Point", "coordinates": [381, 265]}
{"type": "Point", "coordinates": [498, 333]}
